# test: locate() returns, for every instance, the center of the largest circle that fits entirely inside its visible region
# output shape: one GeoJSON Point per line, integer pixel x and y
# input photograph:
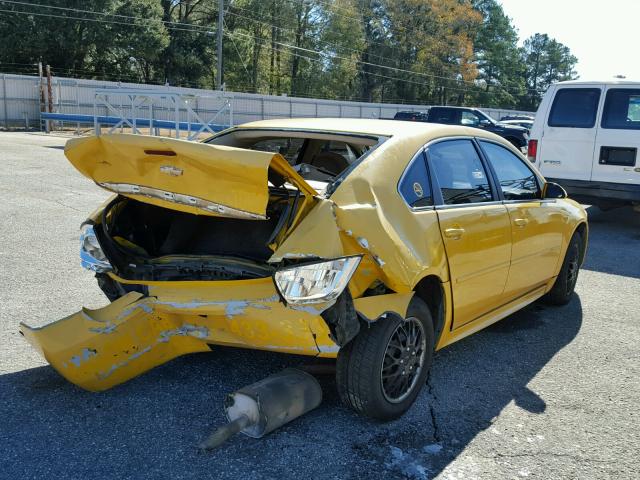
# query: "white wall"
{"type": "Point", "coordinates": [19, 103]}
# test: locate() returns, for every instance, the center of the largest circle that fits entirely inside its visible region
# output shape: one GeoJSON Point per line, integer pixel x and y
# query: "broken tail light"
{"type": "Point", "coordinates": [91, 255]}
{"type": "Point", "coordinates": [317, 282]}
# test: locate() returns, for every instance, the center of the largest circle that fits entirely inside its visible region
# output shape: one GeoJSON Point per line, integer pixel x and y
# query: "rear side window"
{"type": "Point", "coordinates": [517, 181]}
{"type": "Point", "coordinates": [622, 109]}
{"type": "Point", "coordinates": [574, 108]}
{"type": "Point", "coordinates": [460, 173]}
{"type": "Point", "coordinates": [414, 185]}
{"type": "Point", "coordinates": [444, 115]}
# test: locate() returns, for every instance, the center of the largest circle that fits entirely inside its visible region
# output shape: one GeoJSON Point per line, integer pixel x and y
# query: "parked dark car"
{"type": "Point", "coordinates": [472, 117]}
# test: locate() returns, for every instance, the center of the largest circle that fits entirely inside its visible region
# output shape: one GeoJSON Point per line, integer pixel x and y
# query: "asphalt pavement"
{"type": "Point", "coordinates": [548, 393]}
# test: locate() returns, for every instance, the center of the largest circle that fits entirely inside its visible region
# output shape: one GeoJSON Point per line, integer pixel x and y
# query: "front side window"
{"type": "Point", "coordinates": [414, 184]}
{"type": "Point", "coordinates": [469, 119]}
{"type": "Point", "coordinates": [622, 109]}
{"type": "Point", "coordinates": [459, 172]}
{"type": "Point", "coordinates": [574, 108]}
{"type": "Point", "coordinates": [517, 181]}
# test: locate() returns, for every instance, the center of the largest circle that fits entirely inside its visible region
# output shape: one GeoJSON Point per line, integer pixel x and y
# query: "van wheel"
{"type": "Point", "coordinates": [562, 290]}
{"type": "Point", "coordinates": [382, 370]}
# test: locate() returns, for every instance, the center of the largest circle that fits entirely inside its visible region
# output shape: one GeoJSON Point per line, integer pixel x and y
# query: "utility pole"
{"type": "Point", "coordinates": [220, 33]}
{"type": "Point", "coordinates": [41, 89]}
{"type": "Point", "coordinates": [49, 96]}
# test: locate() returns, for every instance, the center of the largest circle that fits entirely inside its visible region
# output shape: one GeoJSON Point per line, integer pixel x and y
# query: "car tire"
{"type": "Point", "coordinates": [562, 290]}
{"type": "Point", "coordinates": [369, 370]}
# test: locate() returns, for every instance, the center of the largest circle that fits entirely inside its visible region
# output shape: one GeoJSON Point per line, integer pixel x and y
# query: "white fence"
{"type": "Point", "coordinates": [20, 103]}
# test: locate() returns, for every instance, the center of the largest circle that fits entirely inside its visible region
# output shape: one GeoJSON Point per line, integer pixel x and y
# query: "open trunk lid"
{"type": "Point", "coordinates": [186, 176]}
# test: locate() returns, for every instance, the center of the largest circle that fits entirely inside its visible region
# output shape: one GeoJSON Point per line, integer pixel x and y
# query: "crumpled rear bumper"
{"type": "Point", "coordinates": [98, 349]}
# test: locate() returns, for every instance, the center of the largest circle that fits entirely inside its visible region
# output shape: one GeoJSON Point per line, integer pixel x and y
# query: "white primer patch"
{"type": "Point", "coordinates": [108, 328]}
{"type": "Point", "coordinates": [364, 243]}
{"type": "Point", "coordinates": [84, 356]}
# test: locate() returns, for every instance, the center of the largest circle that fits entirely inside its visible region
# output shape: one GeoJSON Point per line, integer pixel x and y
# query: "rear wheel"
{"type": "Point", "coordinates": [381, 372]}
{"type": "Point", "coordinates": [562, 290]}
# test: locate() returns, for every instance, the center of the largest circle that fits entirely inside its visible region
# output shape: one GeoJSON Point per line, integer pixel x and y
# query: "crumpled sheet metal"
{"type": "Point", "coordinates": [405, 244]}
{"type": "Point", "coordinates": [97, 349]}
{"type": "Point", "coordinates": [317, 235]}
{"type": "Point", "coordinates": [178, 174]}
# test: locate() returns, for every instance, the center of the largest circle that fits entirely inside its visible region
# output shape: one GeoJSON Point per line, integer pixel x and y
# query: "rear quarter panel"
{"type": "Point", "coordinates": [404, 245]}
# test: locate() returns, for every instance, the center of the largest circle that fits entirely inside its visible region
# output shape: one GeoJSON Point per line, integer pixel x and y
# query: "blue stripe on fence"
{"type": "Point", "coordinates": [140, 122]}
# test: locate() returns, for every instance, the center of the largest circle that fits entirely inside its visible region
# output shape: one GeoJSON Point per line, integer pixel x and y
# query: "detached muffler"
{"type": "Point", "coordinates": [259, 409]}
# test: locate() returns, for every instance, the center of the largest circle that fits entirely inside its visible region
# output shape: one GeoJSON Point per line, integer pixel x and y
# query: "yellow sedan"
{"type": "Point", "coordinates": [373, 241]}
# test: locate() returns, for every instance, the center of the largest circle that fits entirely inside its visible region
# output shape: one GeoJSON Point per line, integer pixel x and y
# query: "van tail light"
{"type": "Point", "coordinates": [532, 150]}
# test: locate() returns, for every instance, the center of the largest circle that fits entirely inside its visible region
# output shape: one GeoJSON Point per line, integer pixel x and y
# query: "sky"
{"type": "Point", "coordinates": [604, 36]}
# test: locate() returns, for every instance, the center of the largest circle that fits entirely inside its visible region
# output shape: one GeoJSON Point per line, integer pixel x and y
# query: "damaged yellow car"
{"type": "Point", "coordinates": [373, 241]}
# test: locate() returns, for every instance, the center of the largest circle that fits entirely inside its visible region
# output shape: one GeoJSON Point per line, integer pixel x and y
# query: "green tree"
{"type": "Point", "coordinates": [116, 48]}
{"type": "Point", "coordinates": [546, 61]}
{"type": "Point", "coordinates": [187, 60]}
{"type": "Point", "coordinates": [500, 67]}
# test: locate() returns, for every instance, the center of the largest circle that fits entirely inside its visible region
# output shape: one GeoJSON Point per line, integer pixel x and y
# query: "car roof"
{"type": "Point", "coordinates": [452, 107]}
{"type": "Point", "coordinates": [363, 126]}
{"type": "Point", "coordinates": [611, 81]}
{"type": "Point", "coordinates": [402, 136]}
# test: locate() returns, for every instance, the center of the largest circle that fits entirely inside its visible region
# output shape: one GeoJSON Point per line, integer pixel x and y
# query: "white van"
{"type": "Point", "coordinates": [586, 137]}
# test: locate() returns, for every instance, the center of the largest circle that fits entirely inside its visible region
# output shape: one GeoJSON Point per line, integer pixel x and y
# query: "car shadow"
{"type": "Point", "coordinates": [149, 426]}
{"type": "Point", "coordinates": [612, 231]}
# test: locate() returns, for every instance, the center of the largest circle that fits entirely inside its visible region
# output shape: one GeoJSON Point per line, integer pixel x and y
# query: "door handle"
{"type": "Point", "coordinates": [520, 222]}
{"type": "Point", "coordinates": [454, 233]}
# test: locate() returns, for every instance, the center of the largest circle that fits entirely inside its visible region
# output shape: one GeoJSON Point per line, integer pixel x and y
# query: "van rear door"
{"type": "Point", "coordinates": [566, 147]}
{"type": "Point", "coordinates": [618, 138]}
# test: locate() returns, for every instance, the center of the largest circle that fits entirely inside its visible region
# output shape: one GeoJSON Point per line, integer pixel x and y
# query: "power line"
{"type": "Point", "coordinates": [396, 69]}
{"type": "Point", "coordinates": [237, 51]}
{"type": "Point", "coordinates": [368, 73]}
{"type": "Point", "coordinates": [202, 29]}
{"type": "Point", "coordinates": [105, 14]}
{"type": "Point", "coordinates": [372, 54]}
{"type": "Point", "coordinates": [372, 42]}
{"type": "Point", "coordinates": [333, 55]}
{"type": "Point", "coordinates": [322, 42]}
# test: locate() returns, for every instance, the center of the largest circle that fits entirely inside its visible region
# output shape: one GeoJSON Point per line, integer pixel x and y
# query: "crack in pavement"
{"type": "Point", "coordinates": [432, 410]}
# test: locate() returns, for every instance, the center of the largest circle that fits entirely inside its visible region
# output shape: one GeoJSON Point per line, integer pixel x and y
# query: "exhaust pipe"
{"type": "Point", "coordinates": [259, 409]}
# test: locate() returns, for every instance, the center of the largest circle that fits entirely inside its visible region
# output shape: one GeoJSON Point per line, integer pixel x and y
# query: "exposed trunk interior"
{"type": "Point", "coordinates": [146, 242]}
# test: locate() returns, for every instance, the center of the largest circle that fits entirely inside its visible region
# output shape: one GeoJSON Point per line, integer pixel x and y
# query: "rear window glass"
{"type": "Point", "coordinates": [414, 185]}
{"type": "Point", "coordinates": [289, 148]}
{"type": "Point", "coordinates": [575, 108]}
{"type": "Point", "coordinates": [622, 109]}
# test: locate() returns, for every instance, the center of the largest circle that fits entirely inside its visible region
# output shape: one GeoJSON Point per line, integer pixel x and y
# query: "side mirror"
{"type": "Point", "coordinates": [484, 123]}
{"type": "Point", "coordinates": [553, 190]}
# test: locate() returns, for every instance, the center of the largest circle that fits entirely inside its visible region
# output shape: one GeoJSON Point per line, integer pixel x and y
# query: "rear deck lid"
{"type": "Point", "coordinates": [191, 177]}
